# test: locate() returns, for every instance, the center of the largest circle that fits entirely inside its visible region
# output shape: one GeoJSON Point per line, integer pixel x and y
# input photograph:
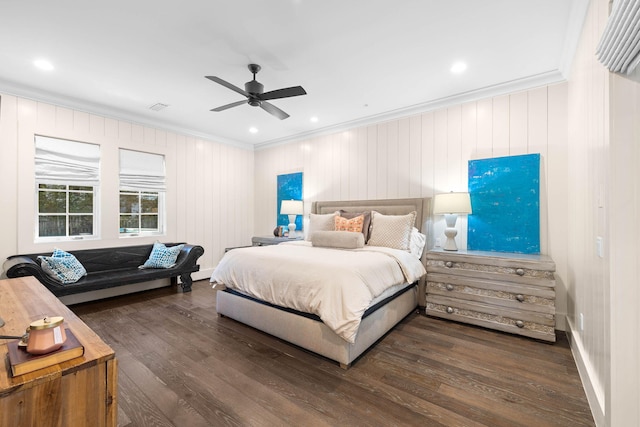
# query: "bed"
{"type": "Point", "coordinates": [304, 327]}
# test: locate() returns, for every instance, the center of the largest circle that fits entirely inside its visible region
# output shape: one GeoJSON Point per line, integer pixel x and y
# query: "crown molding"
{"type": "Point", "coordinates": [530, 82]}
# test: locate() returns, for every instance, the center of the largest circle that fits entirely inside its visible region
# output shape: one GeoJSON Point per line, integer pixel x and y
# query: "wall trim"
{"type": "Point", "coordinates": [592, 387]}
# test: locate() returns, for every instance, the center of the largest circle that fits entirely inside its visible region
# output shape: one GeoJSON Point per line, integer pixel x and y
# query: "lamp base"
{"type": "Point", "coordinates": [451, 232]}
{"type": "Point", "coordinates": [292, 226]}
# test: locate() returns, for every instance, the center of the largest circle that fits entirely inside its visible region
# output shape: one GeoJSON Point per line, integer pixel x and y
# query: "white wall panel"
{"type": "Point", "coordinates": [484, 125]}
{"type": "Point", "coordinates": [501, 133]}
{"type": "Point", "coordinates": [518, 123]}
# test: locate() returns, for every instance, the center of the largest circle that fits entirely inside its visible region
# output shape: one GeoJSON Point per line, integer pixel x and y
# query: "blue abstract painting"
{"type": "Point", "coordinates": [505, 199]}
{"type": "Point", "coordinates": [289, 187]}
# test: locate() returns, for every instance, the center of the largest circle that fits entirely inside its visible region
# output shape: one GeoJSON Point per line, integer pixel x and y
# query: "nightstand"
{"type": "Point", "coordinates": [271, 240]}
{"type": "Point", "coordinates": [508, 292]}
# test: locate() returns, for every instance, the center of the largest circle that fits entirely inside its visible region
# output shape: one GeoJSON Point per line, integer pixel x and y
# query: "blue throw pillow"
{"type": "Point", "coordinates": [62, 266]}
{"type": "Point", "coordinates": [162, 256]}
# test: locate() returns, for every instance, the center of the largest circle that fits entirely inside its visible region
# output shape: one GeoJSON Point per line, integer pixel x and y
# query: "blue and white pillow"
{"type": "Point", "coordinates": [162, 256]}
{"type": "Point", "coordinates": [62, 266]}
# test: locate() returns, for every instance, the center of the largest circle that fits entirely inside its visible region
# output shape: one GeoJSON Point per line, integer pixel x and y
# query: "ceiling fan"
{"type": "Point", "coordinates": [253, 90]}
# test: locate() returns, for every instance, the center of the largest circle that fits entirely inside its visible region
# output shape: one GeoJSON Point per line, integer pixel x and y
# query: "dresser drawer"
{"type": "Point", "coordinates": [527, 323]}
{"type": "Point", "coordinates": [515, 272]}
{"type": "Point", "coordinates": [504, 294]}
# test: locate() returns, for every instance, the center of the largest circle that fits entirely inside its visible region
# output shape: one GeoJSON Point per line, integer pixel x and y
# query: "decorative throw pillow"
{"type": "Point", "coordinates": [366, 224]}
{"type": "Point", "coordinates": [354, 224]}
{"type": "Point", "coordinates": [162, 256]}
{"type": "Point", "coordinates": [417, 243]}
{"type": "Point", "coordinates": [321, 222]}
{"type": "Point", "coordinates": [62, 267]}
{"type": "Point", "coordinates": [391, 231]}
{"type": "Point", "coordinates": [338, 239]}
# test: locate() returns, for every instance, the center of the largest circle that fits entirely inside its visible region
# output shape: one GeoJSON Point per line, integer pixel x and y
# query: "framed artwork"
{"type": "Point", "coordinates": [289, 187]}
{"type": "Point", "coordinates": [505, 199]}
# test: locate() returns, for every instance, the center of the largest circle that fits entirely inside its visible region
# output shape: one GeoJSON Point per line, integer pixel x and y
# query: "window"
{"type": "Point", "coordinates": [142, 191]}
{"type": "Point", "coordinates": [67, 180]}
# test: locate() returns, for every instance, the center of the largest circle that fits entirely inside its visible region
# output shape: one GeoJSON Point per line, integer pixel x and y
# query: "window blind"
{"type": "Point", "coordinates": [63, 161]}
{"type": "Point", "coordinates": [141, 171]}
{"type": "Point", "coordinates": [619, 47]}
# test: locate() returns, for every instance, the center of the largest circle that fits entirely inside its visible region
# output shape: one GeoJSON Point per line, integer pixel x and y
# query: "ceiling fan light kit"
{"type": "Point", "coordinates": [256, 97]}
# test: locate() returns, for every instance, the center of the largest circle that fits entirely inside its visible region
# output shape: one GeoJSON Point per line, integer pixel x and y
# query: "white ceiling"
{"type": "Point", "coordinates": [358, 60]}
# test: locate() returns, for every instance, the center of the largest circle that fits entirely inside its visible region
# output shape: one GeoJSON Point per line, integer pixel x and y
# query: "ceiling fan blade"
{"type": "Point", "coordinates": [282, 93]}
{"type": "Point", "coordinates": [228, 85]}
{"type": "Point", "coordinates": [273, 110]}
{"type": "Point", "coordinates": [233, 104]}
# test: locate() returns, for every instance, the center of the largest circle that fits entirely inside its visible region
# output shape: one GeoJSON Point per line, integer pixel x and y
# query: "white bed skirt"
{"type": "Point", "coordinates": [312, 334]}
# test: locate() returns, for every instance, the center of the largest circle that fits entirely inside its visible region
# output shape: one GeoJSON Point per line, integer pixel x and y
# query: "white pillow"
{"type": "Point", "coordinates": [417, 243]}
{"type": "Point", "coordinates": [391, 231]}
{"type": "Point", "coordinates": [321, 222]}
{"type": "Point", "coordinates": [338, 239]}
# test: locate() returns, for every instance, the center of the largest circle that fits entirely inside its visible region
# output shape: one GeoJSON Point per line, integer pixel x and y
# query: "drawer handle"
{"type": "Point", "coordinates": [520, 272]}
{"type": "Point", "coordinates": [449, 287]}
{"type": "Point", "coordinates": [448, 264]}
{"type": "Point", "coordinates": [449, 310]}
{"type": "Point", "coordinates": [520, 297]}
{"type": "Point", "coordinates": [520, 324]}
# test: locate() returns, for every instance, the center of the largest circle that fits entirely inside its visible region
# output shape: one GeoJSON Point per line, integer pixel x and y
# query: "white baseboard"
{"type": "Point", "coordinates": [202, 274]}
{"type": "Point", "coordinates": [590, 382]}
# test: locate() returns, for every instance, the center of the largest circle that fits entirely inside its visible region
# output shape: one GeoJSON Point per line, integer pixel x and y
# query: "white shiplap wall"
{"type": "Point", "coordinates": [422, 155]}
{"type": "Point", "coordinates": [209, 185]}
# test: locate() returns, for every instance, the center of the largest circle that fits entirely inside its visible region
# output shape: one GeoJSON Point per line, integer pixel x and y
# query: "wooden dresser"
{"type": "Point", "coordinates": [79, 392]}
{"type": "Point", "coordinates": [508, 292]}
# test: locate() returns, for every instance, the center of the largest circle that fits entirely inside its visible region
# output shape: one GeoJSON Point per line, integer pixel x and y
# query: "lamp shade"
{"type": "Point", "coordinates": [291, 207]}
{"type": "Point", "coordinates": [452, 203]}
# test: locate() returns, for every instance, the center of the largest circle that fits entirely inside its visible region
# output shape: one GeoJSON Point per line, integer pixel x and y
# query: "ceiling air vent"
{"type": "Point", "coordinates": [159, 106]}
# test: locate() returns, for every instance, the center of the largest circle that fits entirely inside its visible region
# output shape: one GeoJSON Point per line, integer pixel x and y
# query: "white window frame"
{"type": "Point", "coordinates": [52, 154]}
{"type": "Point", "coordinates": [141, 172]}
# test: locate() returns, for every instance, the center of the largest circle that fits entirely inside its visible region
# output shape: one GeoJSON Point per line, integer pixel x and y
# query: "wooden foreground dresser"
{"type": "Point", "coordinates": [508, 292]}
{"type": "Point", "coordinates": [76, 393]}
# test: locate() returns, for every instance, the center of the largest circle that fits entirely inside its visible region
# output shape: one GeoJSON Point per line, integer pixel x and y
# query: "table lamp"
{"type": "Point", "coordinates": [451, 205]}
{"type": "Point", "coordinates": [291, 208]}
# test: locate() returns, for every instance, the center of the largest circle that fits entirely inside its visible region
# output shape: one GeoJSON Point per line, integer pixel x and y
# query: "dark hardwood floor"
{"type": "Point", "coordinates": [182, 365]}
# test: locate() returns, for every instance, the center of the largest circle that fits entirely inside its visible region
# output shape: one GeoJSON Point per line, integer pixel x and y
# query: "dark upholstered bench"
{"type": "Point", "coordinates": [109, 268]}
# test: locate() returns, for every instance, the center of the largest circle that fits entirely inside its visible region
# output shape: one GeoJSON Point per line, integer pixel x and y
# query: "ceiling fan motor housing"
{"type": "Point", "coordinates": [254, 88]}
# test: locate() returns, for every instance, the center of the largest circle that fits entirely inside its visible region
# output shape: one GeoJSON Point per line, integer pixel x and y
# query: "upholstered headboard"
{"type": "Point", "coordinates": [422, 207]}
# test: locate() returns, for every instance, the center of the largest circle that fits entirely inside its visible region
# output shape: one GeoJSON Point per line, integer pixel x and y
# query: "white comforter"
{"type": "Point", "coordinates": [338, 285]}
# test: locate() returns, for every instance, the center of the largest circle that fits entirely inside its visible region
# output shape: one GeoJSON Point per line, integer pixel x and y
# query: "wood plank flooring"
{"type": "Point", "coordinates": [180, 364]}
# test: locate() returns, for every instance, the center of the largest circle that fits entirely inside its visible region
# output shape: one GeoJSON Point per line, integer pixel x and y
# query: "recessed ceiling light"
{"type": "Point", "coordinates": [458, 67]}
{"type": "Point", "coordinates": [314, 119]}
{"type": "Point", "coordinates": [253, 129]}
{"type": "Point", "coordinates": [43, 64]}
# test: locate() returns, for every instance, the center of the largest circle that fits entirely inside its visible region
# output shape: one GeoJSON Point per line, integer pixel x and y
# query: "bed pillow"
{"type": "Point", "coordinates": [417, 242]}
{"type": "Point", "coordinates": [391, 231]}
{"type": "Point", "coordinates": [62, 267]}
{"type": "Point", "coordinates": [366, 224]}
{"type": "Point", "coordinates": [321, 222]}
{"type": "Point", "coordinates": [354, 224]}
{"type": "Point", "coordinates": [338, 239]}
{"type": "Point", "coordinates": [162, 256]}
